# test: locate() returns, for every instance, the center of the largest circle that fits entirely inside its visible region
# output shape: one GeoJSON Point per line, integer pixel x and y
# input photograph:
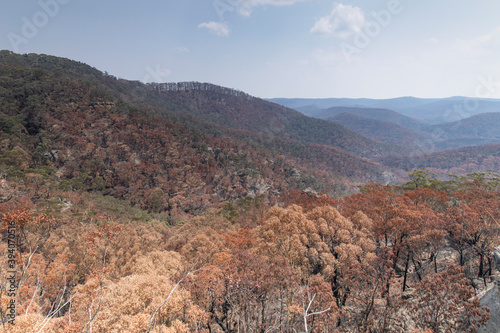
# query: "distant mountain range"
{"type": "Point", "coordinates": [384, 115]}
{"type": "Point", "coordinates": [431, 110]}
{"type": "Point", "coordinates": [416, 135]}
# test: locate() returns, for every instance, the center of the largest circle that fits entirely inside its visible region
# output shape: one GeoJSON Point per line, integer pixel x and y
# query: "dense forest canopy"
{"type": "Point", "coordinates": [126, 210]}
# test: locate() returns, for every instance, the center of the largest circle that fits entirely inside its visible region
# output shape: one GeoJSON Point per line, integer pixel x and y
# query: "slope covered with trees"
{"type": "Point", "coordinates": [477, 130]}
{"type": "Point", "coordinates": [118, 215]}
{"type": "Point", "coordinates": [56, 128]}
{"type": "Point", "coordinates": [384, 260]}
{"type": "Point", "coordinates": [218, 105]}
{"type": "Point", "coordinates": [458, 162]}
{"type": "Point", "coordinates": [147, 99]}
{"type": "Point", "coordinates": [414, 141]}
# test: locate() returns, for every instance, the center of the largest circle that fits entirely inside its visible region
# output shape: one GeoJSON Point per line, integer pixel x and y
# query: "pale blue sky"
{"type": "Point", "coordinates": [274, 48]}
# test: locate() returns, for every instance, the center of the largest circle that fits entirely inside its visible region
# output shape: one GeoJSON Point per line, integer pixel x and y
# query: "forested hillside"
{"type": "Point", "coordinates": [251, 131]}
{"type": "Point", "coordinates": [385, 260]}
{"type": "Point", "coordinates": [416, 142]}
{"type": "Point", "coordinates": [241, 111]}
{"type": "Point", "coordinates": [458, 162]}
{"type": "Point", "coordinates": [76, 134]}
{"type": "Point", "coordinates": [188, 207]}
{"type": "Point", "coordinates": [474, 131]}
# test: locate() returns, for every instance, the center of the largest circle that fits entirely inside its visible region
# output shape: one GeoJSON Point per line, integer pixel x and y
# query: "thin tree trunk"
{"type": "Point", "coordinates": [480, 272]}
{"type": "Point", "coordinates": [407, 264]}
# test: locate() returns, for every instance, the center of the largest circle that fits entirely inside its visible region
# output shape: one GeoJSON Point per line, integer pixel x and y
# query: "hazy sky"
{"type": "Point", "coordinates": [274, 48]}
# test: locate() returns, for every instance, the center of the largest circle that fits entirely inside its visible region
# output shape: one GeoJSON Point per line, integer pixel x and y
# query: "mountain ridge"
{"type": "Point", "coordinates": [97, 133]}
{"type": "Point", "coordinates": [432, 110]}
{"type": "Point", "coordinates": [327, 154]}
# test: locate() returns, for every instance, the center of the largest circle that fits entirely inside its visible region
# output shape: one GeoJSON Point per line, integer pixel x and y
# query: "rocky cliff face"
{"type": "Point", "coordinates": [492, 300]}
{"type": "Point", "coordinates": [496, 257]}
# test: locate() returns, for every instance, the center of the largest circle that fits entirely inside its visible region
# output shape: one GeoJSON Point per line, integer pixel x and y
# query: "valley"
{"type": "Point", "coordinates": [182, 207]}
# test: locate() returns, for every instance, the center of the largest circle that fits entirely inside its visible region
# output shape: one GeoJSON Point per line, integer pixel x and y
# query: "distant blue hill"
{"type": "Point", "coordinates": [431, 110]}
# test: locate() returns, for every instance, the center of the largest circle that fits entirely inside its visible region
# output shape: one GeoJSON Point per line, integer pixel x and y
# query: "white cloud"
{"type": "Point", "coordinates": [181, 49]}
{"type": "Point", "coordinates": [242, 7]}
{"type": "Point", "coordinates": [218, 28]}
{"type": "Point", "coordinates": [245, 6]}
{"type": "Point", "coordinates": [433, 41]}
{"type": "Point", "coordinates": [492, 37]}
{"type": "Point", "coordinates": [485, 45]}
{"type": "Point", "coordinates": [489, 38]}
{"type": "Point", "coordinates": [343, 21]}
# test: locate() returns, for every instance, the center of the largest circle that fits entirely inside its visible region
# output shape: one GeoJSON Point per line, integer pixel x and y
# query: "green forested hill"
{"type": "Point", "coordinates": [87, 131]}
{"type": "Point", "coordinates": [232, 109]}
{"type": "Point", "coordinates": [415, 142]}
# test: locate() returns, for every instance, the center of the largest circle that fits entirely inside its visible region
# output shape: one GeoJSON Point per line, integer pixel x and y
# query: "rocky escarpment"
{"type": "Point", "coordinates": [492, 300]}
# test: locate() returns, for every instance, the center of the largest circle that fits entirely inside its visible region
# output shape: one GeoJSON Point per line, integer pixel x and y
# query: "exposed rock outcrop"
{"type": "Point", "coordinates": [492, 300]}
